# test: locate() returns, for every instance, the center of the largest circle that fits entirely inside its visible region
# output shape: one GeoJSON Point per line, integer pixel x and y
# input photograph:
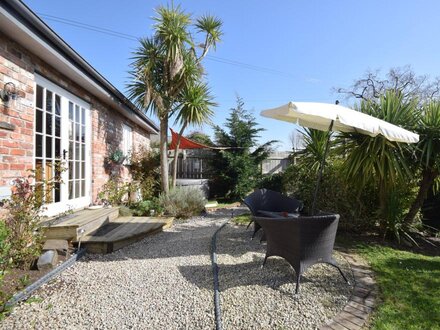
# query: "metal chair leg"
{"type": "Point", "coordinates": [264, 262]}
{"type": "Point", "coordinates": [253, 235]}
{"type": "Point", "coordinates": [298, 278]}
{"type": "Point", "coordinates": [263, 237]}
{"type": "Point", "coordinates": [334, 264]}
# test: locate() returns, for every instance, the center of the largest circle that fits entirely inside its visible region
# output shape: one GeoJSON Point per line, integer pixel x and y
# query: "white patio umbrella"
{"type": "Point", "coordinates": [333, 117]}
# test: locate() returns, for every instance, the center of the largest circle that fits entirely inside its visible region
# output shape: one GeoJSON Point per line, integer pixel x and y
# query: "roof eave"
{"type": "Point", "coordinates": [22, 25]}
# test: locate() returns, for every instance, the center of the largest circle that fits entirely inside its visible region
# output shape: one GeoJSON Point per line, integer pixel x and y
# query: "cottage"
{"type": "Point", "coordinates": [55, 107]}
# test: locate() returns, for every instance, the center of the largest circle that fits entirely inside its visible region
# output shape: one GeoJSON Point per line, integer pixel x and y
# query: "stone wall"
{"type": "Point", "coordinates": [19, 66]}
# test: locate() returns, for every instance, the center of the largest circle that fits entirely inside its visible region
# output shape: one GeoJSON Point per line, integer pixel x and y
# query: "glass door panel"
{"type": "Point", "coordinates": [62, 148]}
{"type": "Point", "coordinates": [47, 144]}
{"type": "Point", "coordinates": [77, 151]}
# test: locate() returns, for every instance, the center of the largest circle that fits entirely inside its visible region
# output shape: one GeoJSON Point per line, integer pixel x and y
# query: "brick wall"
{"type": "Point", "coordinates": [17, 65]}
{"type": "Point", "coordinates": [107, 137]}
{"type": "Point", "coordinates": [16, 144]}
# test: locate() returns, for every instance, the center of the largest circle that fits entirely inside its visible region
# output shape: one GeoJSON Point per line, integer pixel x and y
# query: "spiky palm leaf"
{"type": "Point", "coordinates": [196, 105]}
{"type": "Point", "coordinates": [173, 33]}
{"type": "Point", "coordinates": [164, 65]}
{"type": "Point", "coordinates": [429, 130]}
{"type": "Point", "coordinates": [376, 158]}
{"type": "Point", "coordinates": [428, 153]}
{"type": "Point", "coordinates": [379, 161]}
{"type": "Point", "coordinates": [314, 148]}
{"type": "Point", "coordinates": [212, 27]}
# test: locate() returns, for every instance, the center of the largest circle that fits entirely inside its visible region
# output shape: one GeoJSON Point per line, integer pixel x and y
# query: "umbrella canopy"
{"type": "Point", "coordinates": [321, 115]}
{"type": "Point", "coordinates": [325, 116]}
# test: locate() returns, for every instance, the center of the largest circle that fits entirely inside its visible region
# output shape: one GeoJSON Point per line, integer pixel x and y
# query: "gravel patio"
{"type": "Point", "coordinates": [166, 282]}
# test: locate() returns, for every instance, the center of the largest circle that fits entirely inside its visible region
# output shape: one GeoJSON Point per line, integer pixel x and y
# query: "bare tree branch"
{"type": "Point", "coordinates": [372, 85]}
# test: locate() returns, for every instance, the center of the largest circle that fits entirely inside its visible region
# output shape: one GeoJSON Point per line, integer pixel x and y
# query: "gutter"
{"type": "Point", "coordinates": [24, 15]}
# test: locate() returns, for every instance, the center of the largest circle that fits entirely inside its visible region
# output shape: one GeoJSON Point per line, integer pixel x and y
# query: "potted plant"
{"type": "Point", "coordinates": [117, 157]}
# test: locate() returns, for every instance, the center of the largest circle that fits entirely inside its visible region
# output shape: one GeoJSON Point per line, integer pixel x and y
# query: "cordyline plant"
{"type": "Point", "coordinates": [167, 72]}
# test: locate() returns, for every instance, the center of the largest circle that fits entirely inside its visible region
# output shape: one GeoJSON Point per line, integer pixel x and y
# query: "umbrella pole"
{"type": "Point", "coordinates": [321, 167]}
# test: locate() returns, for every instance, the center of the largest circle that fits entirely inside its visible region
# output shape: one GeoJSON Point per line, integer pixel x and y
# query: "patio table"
{"type": "Point", "coordinates": [272, 214]}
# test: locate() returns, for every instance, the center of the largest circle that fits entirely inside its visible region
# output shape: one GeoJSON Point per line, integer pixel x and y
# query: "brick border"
{"type": "Point", "coordinates": [356, 312]}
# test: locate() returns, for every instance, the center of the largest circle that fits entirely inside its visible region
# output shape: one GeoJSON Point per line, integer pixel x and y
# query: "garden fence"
{"type": "Point", "coordinates": [193, 164]}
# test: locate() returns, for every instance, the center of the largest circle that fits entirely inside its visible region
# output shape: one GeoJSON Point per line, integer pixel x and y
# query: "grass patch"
{"type": "Point", "coordinates": [410, 288]}
{"type": "Point", "coordinates": [227, 205]}
{"type": "Point", "coordinates": [242, 219]}
{"type": "Point", "coordinates": [34, 300]}
{"type": "Point", "coordinates": [222, 205]}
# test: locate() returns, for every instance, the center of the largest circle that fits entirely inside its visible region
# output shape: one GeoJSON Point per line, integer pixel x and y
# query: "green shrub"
{"type": "Point", "coordinates": [336, 194]}
{"type": "Point", "coordinates": [398, 201]}
{"type": "Point", "coordinates": [242, 219]}
{"type": "Point", "coordinates": [146, 207]}
{"type": "Point", "coordinates": [272, 181]}
{"type": "Point", "coordinates": [23, 235]}
{"type": "Point", "coordinates": [113, 192]}
{"type": "Point", "coordinates": [144, 169]}
{"type": "Point", "coordinates": [183, 202]}
{"type": "Point", "coordinates": [4, 248]}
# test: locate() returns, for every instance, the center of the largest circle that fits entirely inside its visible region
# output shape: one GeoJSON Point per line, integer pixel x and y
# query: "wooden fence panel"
{"type": "Point", "coordinates": [194, 165]}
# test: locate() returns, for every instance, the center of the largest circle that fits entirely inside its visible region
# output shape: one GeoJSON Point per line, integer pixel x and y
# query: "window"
{"type": "Point", "coordinates": [77, 151]}
{"type": "Point", "coordinates": [127, 141]}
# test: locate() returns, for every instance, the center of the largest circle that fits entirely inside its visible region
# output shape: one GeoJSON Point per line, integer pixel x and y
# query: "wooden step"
{"type": "Point", "coordinates": [79, 223]}
{"type": "Point", "coordinates": [129, 230]}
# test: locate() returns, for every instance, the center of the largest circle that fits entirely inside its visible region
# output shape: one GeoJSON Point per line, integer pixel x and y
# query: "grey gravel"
{"type": "Point", "coordinates": [165, 282]}
{"type": "Point", "coordinates": [263, 298]}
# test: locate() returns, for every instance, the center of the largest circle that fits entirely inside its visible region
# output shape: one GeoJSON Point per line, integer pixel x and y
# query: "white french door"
{"type": "Point", "coordinates": [62, 147]}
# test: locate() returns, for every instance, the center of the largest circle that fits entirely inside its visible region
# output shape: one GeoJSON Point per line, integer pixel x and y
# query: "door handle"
{"type": "Point", "coordinates": [64, 153]}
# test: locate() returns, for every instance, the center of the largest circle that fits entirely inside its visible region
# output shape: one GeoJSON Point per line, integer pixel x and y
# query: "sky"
{"type": "Point", "coordinates": [272, 52]}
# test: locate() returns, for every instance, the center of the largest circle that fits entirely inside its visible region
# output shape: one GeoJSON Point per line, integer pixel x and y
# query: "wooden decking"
{"type": "Point", "coordinates": [102, 230]}
{"type": "Point", "coordinates": [124, 231]}
{"type": "Point", "coordinates": [72, 226]}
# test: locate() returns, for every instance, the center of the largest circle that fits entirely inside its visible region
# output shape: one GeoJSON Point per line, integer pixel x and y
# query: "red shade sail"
{"type": "Point", "coordinates": [185, 143]}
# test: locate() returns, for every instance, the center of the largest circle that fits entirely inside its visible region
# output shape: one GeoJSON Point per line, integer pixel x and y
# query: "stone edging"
{"type": "Point", "coordinates": [26, 292]}
{"type": "Point", "coordinates": [217, 307]}
{"type": "Point", "coordinates": [356, 312]}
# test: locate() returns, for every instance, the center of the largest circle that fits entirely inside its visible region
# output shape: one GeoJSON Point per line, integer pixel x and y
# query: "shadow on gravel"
{"type": "Point", "coordinates": [276, 275]}
{"type": "Point", "coordinates": [238, 270]}
{"type": "Point", "coordinates": [184, 239]}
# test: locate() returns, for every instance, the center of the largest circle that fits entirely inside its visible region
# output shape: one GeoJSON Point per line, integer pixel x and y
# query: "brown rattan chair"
{"type": "Point", "coordinates": [302, 241]}
{"type": "Point", "coordinates": [269, 200]}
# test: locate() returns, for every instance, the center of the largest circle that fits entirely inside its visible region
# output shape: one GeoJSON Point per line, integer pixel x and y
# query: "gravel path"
{"type": "Point", "coordinates": [162, 282]}
{"type": "Point", "coordinates": [165, 282]}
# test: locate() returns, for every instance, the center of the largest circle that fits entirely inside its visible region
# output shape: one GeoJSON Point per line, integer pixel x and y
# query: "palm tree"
{"type": "Point", "coordinates": [164, 64]}
{"type": "Point", "coordinates": [375, 159]}
{"type": "Point", "coordinates": [195, 109]}
{"type": "Point", "coordinates": [314, 148]}
{"type": "Point", "coordinates": [428, 153]}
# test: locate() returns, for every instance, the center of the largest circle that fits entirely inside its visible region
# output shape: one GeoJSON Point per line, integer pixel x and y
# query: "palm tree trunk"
{"type": "Point", "coordinates": [428, 177]}
{"type": "Point", "coordinates": [176, 155]}
{"type": "Point", "coordinates": [164, 154]}
{"type": "Point", "coordinates": [383, 197]}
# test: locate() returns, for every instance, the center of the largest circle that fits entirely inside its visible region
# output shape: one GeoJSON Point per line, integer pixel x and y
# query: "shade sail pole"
{"type": "Point", "coordinates": [321, 167]}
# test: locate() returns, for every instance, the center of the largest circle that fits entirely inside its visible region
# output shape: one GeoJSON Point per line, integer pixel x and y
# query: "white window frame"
{"type": "Point", "coordinates": [127, 142]}
{"type": "Point", "coordinates": [66, 96]}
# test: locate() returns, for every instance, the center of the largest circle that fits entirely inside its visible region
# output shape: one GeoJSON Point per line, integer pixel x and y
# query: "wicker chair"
{"type": "Point", "coordinates": [302, 241]}
{"type": "Point", "coordinates": [269, 200]}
